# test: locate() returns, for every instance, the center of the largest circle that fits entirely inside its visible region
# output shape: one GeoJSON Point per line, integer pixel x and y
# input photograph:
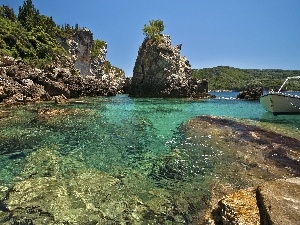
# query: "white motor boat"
{"type": "Point", "coordinates": [281, 103]}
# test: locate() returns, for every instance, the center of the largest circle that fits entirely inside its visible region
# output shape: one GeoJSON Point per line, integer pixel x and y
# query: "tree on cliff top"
{"type": "Point", "coordinates": [8, 13]}
{"type": "Point", "coordinates": [154, 29]}
{"type": "Point", "coordinates": [28, 15]}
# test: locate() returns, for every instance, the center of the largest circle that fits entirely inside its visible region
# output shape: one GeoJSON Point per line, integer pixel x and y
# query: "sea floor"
{"type": "Point", "coordinates": [120, 160]}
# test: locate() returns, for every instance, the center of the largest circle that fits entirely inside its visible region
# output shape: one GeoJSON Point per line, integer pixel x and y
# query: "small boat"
{"type": "Point", "coordinates": [281, 103]}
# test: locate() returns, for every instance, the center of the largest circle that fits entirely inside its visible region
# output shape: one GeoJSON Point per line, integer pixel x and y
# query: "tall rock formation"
{"type": "Point", "coordinates": [160, 71]}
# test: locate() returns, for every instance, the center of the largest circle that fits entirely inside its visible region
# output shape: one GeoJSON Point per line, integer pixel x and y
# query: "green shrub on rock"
{"type": "Point", "coordinates": [154, 29]}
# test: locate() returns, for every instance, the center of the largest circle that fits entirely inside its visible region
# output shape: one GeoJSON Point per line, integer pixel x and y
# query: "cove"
{"type": "Point", "coordinates": [117, 159]}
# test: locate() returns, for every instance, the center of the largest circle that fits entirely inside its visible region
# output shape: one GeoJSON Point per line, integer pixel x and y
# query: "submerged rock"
{"type": "Point", "coordinates": [56, 189]}
{"type": "Point", "coordinates": [250, 156]}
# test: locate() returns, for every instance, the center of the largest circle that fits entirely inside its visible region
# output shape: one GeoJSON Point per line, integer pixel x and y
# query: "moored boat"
{"type": "Point", "coordinates": [281, 103]}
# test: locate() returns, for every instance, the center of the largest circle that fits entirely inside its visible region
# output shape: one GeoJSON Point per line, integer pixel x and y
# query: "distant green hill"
{"type": "Point", "coordinates": [230, 78]}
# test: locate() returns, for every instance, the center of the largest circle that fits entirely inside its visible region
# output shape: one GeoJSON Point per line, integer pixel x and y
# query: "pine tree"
{"type": "Point", "coordinates": [7, 13]}
{"type": "Point", "coordinates": [28, 15]}
{"type": "Point", "coordinates": [154, 30]}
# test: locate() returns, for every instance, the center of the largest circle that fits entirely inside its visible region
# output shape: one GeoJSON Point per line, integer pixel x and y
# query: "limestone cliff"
{"type": "Point", "coordinates": [160, 71]}
{"type": "Point", "coordinates": [80, 75]}
{"type": "Point", "coordinates": [80, 46]}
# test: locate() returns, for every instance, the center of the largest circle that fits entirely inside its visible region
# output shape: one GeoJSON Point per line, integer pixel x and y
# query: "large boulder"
{"type": "Point", "coordinates": [250, 94]}
{"type": "Point", "coordinates": [239, 208]}
{"type": "Point", "coordinates": [160, 71]}
{"type": "Point", "coordinates": [274, 202]}
{"type": "Point", "coordinates": [279, 201]}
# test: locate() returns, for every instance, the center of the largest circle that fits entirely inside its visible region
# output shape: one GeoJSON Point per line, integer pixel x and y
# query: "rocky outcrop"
{"type": "Point", "coordinates": [79, 46]}
{"type": "Point", "coordinates": [160, 71]}
{"type": "Point", "coordinates": [273, 202]}
{"type": "Point", "coordinates": [250, 94]}
{"type": "Point", "coordinates": [68, 78]}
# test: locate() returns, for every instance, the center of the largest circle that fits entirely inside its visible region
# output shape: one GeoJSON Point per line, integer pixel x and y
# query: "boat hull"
{"type": "Point", "coordinates": [279, 103]}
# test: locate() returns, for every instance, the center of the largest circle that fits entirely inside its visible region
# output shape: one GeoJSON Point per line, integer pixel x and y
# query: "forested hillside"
{"type": "Point", "coordinates": [230, 78]}
{"type": "Point", "coordinates": [32, 37]}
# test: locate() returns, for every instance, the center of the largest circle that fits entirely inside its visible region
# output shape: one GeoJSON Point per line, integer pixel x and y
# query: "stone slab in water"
{"type": "Point", "coordinates": [271, 203]}
{"type": "Point", "coordinates": [279, 202]}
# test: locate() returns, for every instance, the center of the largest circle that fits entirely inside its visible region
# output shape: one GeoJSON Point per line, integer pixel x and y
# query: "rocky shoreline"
{"type": "Point", "coordinates": [161, 72]}
{"type": "Point", "coordinates": [260, 183]}
{"type": "Point", "coordinates": [21, 84]}
{"type": "Point", "coordinates": [79, 74]}
{"type": "Point", "coordinates": [265, 171]}
{"type": "Point", "coordinates": [257, 178]}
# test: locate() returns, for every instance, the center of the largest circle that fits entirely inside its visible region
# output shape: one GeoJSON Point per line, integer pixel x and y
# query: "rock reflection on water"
{"type": "Point", "coordinates": [110, 162]}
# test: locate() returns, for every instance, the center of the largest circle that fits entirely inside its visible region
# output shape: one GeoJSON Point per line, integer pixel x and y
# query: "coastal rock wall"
{"type": "Point", "coordinates": [160, 71]}
{"type": "Point", "coordinates": [20, 83]}
{"type": "Point", "coordinates": [81, 74]}
{"type": "Point", "coordinates": [79, 46]}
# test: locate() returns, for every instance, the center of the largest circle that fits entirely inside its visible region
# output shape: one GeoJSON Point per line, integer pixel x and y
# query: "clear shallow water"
{"type": "Point", "coordinates": [128, 137]}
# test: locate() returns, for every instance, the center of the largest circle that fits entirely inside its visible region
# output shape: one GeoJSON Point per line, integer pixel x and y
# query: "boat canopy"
{"type": "Point", "coordinates": [288, 78]}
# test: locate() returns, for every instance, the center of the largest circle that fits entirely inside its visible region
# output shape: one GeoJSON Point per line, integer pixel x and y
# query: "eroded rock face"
{"type": "Point", "coordinates": [79, 47]}
{"type": "Point", "coordinates": [72, 77]}
{"type": "Point", "coordinates": [160, 71]}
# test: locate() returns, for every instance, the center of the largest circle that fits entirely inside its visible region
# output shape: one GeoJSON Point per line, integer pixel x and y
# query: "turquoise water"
{"type": "Point", "coordinates": [124, 136]}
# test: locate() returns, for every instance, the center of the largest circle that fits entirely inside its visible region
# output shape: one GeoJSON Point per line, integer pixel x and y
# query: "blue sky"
{"type": "Point", "coordinates": [258, 34]}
